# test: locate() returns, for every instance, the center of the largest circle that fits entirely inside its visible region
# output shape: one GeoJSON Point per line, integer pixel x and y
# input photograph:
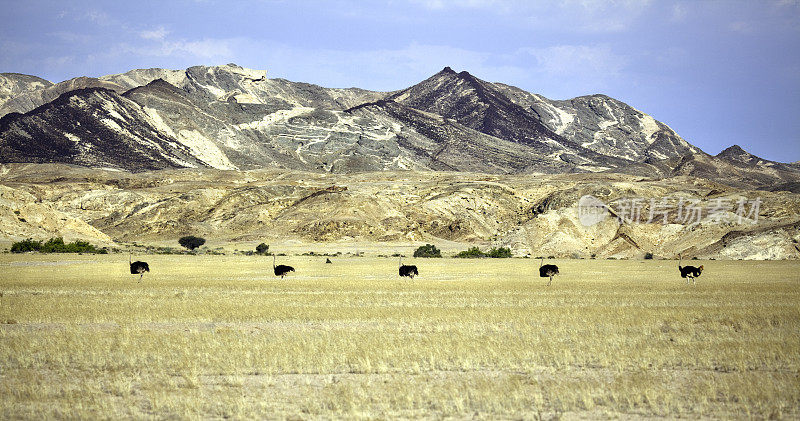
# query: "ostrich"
{"type": "Point", "coordinates": [689, 272]}
{"type": "Point", "coordinates": [407, 270]}
{"type": "Point", "coordinates": [138, 267]}
{"type": "Point", "coordinates": [328, 260]}
{"type": "Point", "coordinates": [547, 271]}
{"type": "Point", "coordinates": [281, 270]}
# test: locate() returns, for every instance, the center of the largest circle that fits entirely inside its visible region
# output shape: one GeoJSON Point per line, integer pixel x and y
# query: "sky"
{"type": "Point", "coordinates": [717, 72]}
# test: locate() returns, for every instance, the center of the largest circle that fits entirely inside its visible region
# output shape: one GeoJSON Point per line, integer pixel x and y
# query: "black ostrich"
{"type": "Point", "coordinates": [138, 267]}
{"type": "Point", "coordinates": [408, 270]}
{"type": "Point", "coordinates": [328, 260]}
{"type": "Point", "coordinates": [547, 271]}
{"type": "Point", "coordinates": [689, 272]}
{"type": "Point", "coordinates": [281, 270]}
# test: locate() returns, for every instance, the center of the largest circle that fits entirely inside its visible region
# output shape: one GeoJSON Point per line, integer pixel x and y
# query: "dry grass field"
{"type": "Point", "coordinates": [220, 337]}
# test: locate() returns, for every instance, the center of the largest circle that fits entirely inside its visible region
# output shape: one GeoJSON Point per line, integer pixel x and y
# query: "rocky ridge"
{"type": "Point", "coordinates": [229, 117]}
{"type": "Point", "coordinates": [535, 216]}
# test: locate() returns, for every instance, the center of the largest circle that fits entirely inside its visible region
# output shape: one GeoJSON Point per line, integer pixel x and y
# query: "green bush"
{"type": "Point", "coordinates": [262, 248]}
{"type": "Point", "coordinates": [428, 250]}
{"type": "Point", "coordinates": [191, 242]}
{"type": "Point", "coordinates": [26, 245]}
{"type": "Point", "coordinates": [502, 252]}
{"type": "Point", "coordinates": [648, 256]}
{"type": "Point", "coordinates": [472, 253]}
{"type": "Point", "coordinates": [55, 245]}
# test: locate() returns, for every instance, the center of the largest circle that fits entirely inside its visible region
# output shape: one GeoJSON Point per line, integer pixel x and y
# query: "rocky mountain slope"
{"type": "Point", "coordinates": [733, 167]}
{"type": "Point", "coordinates": [15, 84]}
{"type": "Point", "coordinates": [531, 215]}
{"type": "Point", "coordinates": [228, 117]}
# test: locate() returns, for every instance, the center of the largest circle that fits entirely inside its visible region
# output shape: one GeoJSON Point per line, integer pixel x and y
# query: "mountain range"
{"type": "Point", "coordinates": [229, 117]}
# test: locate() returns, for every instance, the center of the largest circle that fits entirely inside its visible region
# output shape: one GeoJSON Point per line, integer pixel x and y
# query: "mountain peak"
{"type": "Point", "coordinates": [464, 74]}
{"type": "Point", "coordinates": [448, 70]}
{"type": "Point", "coordinates": [734, 150]}
{"type": "Point", "coordinates": [735, 154]}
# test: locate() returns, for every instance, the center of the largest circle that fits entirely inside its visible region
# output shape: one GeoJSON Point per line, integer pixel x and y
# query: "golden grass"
{"type": "Point", "coordinates": [219, 336]}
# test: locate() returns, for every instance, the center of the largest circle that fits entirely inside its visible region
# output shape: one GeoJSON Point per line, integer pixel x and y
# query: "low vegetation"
{"type": "Point", "coordinates": [55, 245]}
{"type": "Point", "coordinates": [471, 253]}
{"type": "Point", "coordinates": [191, 242]}
{"type": "Point", "coordinates": [428, 250]}
{"type": "Point", "coordinates": [218, 337]}
{"type": "Point", "coordinates": [475, 252]}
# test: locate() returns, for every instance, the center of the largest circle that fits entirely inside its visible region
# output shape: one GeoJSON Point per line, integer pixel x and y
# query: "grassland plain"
{"type": "Point", "coordinates": [220, 337]}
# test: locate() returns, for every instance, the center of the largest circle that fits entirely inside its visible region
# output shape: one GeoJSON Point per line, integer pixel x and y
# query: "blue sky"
{"type": "Point", "coordinates": [718, 72]}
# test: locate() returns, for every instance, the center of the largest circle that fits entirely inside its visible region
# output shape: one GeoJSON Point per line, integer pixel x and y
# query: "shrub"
{"type": "Point", "coordinates": [428, 250]}
{"type": "Point", "coordinates": [648, 256]}
{"type": "Point", "coordinates": [56, 245]}
{"type": "Point", "coordinates": [502, 252]}
{"type": "Point", "coordinates": [472, 253]}
{"type": "Point", "coordinates": [191, 242]}
{"type": "Point", "coordinates": [262, 248]}
{"type": "Point", "coordinates": [26, 245]}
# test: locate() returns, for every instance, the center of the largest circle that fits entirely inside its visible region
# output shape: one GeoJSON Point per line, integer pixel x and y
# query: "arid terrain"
{"type": "Point", "coordinates": [220, 337]}
{"type": "Point", "coordinates": [381, 212]}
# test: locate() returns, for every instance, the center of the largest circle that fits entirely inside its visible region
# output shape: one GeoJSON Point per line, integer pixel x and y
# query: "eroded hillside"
{"type": "Point", "coordinates": [532, 214]}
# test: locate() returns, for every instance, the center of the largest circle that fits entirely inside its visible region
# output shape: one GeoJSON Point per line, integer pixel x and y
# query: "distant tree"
{"type": "Point", "coordinates": [428, 250]}
{"type": "Point", "coordinates": [262, 248]}
{"type": "Point", "coordinates": [191, 242]}
{"type": "Point", "coordinates": [472, 253]}
{"type": "Point", "coordinates": [502, 252]}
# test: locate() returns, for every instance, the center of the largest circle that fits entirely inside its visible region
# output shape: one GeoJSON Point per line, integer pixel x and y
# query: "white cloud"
{"type": "Point", "coordinates": [72, 37]}
{"type": "Point", "coordinates": [679, 12]}
{"type": "Point", "coordinates": [578, 59]}
{"type": "Point", "coordinates": [202, 49]}
{"type": "Point", "coordinates": [155, 34]}
{"type": "Point", "coordinates": [100, 17]}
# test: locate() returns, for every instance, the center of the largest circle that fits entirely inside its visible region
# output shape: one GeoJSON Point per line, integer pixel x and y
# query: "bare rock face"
{"type": "Point", "coordinates": [604, 125]}
{"type": "Point", "coordinates": [233, 118]}
{"type": "Point", "coordinates": [532, 215]}
{"type": "Point", "coordinates": [33, 98]}
{"type": "Point", "coordinates": [24, 215]}
{"type": "Point", "coordinates": [93, 127]}
{"type": "Point", "coordinates": [229, 117]}
{"type": "Point", "coordinates": [15, 84]}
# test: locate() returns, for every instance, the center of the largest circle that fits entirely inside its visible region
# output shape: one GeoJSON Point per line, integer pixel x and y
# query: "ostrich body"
{"type": "Point", "coordinates": [281, 270]}
{"type": "Point", "coordinates": [547, 271]}
{"type": "Point", "coordinates": [138, 267]}
{"type": "Point", "coordinates": [689, 272]}
{"type": "Point", "coordinates": [408, 270]}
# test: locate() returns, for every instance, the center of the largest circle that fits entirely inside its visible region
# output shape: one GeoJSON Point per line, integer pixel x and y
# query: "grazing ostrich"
{"type": "Point", "coordinates": [547, 270]}
{"type": "Point", "coordinates": [328, 260]}
{"type": "Point", "coordinates": [138, 268]}
{"type": "Point", "coordinates": [281, 270]}
{"type": "Point", "coordinates": [408, 270]}
{"type": "Point", "coordinates": [689, 272]}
